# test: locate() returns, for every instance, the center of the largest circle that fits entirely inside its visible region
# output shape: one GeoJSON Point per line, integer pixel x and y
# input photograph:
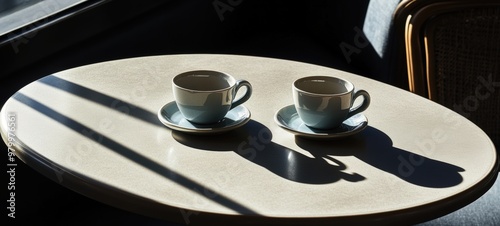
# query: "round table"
{"type": "Point", "coordinates": [95, 130]}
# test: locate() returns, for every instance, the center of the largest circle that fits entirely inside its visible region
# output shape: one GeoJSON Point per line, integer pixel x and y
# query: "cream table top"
{"type": "Point", "coordinates": [95, 130]}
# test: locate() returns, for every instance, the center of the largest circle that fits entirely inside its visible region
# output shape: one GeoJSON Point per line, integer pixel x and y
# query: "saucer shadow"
{"type": "Point", "coordinates": [253, 142]}
{"type": "Point", "coordinates": [375, 148]}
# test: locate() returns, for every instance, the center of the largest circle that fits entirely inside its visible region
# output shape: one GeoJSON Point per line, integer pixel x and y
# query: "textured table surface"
{"type": "Point", "coordinates": [95, 130]}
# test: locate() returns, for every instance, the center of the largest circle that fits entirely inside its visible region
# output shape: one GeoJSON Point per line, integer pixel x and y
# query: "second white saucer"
{"type": "Point", "coordinates": [288, 118]}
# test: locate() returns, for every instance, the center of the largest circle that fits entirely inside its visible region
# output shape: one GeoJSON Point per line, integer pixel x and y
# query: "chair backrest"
{"type": "Point", "coordinates": [453, 57]}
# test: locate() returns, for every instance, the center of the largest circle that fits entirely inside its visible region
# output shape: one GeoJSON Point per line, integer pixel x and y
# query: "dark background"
{"type": "Point", "coordinates": [115, 30]}
{"type": "Point", "coordinates": [308, 31]}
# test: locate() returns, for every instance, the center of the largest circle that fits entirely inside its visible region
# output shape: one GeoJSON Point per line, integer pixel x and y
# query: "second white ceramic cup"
{"type": "Point", "coordinates": [324, 102]}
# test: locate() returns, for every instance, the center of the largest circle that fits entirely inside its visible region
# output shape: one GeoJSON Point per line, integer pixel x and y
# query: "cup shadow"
{"type": "Point", "coordinates": [253, 142]}
{"type": "Point", "coordinates": [375, 148]}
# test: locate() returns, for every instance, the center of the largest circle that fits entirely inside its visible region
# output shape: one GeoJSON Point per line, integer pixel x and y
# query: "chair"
{"type": "Point", "coordinates": [453, 56]}
{"type": "Point", "coordinates": [451, 52]}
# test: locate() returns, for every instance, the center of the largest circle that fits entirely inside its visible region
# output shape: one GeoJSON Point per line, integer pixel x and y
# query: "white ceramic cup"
{"type": "Point", "coordinates": [205, 97]}
{"type": "Point", "coordinates": [324, 102]}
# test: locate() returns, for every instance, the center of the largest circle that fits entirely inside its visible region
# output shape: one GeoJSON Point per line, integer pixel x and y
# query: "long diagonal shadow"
{"type": "Point", "coordinates": [132, 155]}
{"type": "Point", "coordinates": [375, 148]}
{"type": "Point", "coordinates": [102, 99]}
{"type": "Point", "coordinates": [253, 142]}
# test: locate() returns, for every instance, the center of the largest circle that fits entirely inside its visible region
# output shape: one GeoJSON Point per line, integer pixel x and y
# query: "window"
{"type": "Point", "coordinates": [15, 14]}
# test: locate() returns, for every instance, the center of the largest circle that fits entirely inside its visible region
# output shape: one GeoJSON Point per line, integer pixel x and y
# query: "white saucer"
{"type": "Point", "coordinates": [288, 118]}
{"type": "Point", "coordinates": [171, 117]}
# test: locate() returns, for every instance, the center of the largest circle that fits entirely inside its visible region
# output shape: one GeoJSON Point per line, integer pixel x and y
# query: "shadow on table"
{"type": "Point", "coordinates": [253, 142]}
{"type": "Point", "coordinates": [110, 102]}
{"type": "Point", "coordinates": [376, 149]}
{"type": "Point", "coordinates": [128, 153]}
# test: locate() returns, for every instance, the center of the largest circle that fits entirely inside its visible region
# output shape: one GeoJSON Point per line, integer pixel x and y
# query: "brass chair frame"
{"type": "Point", "coordinates": [419, 47]}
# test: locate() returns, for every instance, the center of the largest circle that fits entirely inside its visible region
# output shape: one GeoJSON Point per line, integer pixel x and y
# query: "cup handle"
{"type": "Point", "coordinates": [363, 106]}
{"type": "Point", "coordinates": [245, 97]}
